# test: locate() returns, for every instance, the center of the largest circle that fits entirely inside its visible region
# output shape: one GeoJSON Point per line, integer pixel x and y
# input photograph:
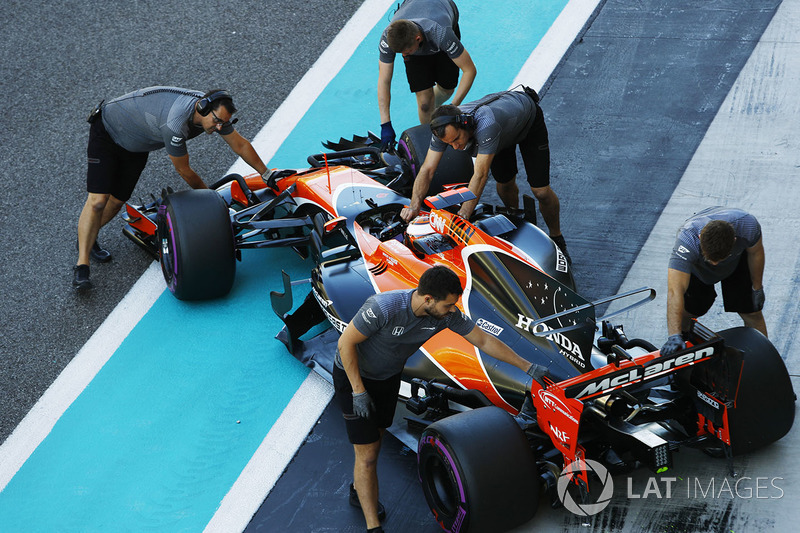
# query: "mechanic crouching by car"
{"type": "Point", "coordinates": [372, 352]}
{"type": "Point", "coordinates": [717, 244]}
{"type": "Point", "coordinates": [124, 131]}
{"type": "Point", "coordinates": [427, 35]}
{"type": "Point", "coordinates": [490, 130]}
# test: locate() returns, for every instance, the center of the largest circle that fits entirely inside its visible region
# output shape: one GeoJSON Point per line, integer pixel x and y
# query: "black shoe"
{"type": "Point", "coordinates": [378, 529]}
{"type": "Point", "coordinates": [562, 245]}
{"type": "Point", "coordinates": [80, 278]}
{"type": "Point", "coordinates": [355, 503]}
{"type": "Point", "coordinates": [101, 255]}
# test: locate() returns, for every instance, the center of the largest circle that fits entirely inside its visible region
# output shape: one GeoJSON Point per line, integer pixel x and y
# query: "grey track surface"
{"type": "Point", "coordinates": [58, 61]}
{"type": "Point", "coordinates": [626, 113]}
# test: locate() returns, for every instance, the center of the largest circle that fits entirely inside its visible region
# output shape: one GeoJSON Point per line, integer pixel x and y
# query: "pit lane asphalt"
{"type": "Point", "coordinates": [58, 62]}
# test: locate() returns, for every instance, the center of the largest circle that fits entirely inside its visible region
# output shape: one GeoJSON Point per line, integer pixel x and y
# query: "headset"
{"type": "Point", "coordinates": [462, 120]}
{"type": "Point", "coordinates": [205, 104]}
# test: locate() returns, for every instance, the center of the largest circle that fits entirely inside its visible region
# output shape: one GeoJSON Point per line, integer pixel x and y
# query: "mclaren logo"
{"type": "Point", "coordinates": [488, 327]}
{"type": "Point", "coordinates": [655, 368]}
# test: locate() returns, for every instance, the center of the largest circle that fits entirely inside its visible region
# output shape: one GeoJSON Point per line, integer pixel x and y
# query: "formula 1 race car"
{"type": "Point", "coordinates": [491, 437]}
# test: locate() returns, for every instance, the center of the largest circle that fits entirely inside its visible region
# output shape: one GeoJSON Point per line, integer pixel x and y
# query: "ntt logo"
{"type": "Point", "coordinates": [566, 477]}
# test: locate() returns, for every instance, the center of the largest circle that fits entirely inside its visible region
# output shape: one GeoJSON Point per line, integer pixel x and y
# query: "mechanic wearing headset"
{"type": "Point", "coordinates": [490, 130]}
{"type": "Point", "coordinates": [426, 33]}
{"type": "Point", "coordinates": [123, 132]}
{"type": "Point", "coordinates": [372, 352]}
{"type": "Point", "coordinates": [717, 244]}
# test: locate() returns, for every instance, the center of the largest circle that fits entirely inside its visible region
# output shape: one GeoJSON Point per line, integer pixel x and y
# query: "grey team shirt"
{"type": "Point", "coordinates": [436, 19]}
{"type": "Point", "coordinates": [153, 118]}
{"type": "Point", "coordinates": [686, 255]}
{"type": "Point", "coordinates": [499, 124]}
{"type": "Point", "coordinates": [394, 333]}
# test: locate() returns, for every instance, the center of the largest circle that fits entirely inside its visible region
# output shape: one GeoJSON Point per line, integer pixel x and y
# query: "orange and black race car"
{"type": "Point", "coordinates": [491, 439]}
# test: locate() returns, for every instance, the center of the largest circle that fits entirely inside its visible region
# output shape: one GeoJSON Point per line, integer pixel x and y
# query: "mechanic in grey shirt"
{"type": "Point", "coordinates": [124, 130]}
{"type": "Point", "coordinates": [490, 129]}
{"type": "Point", "coordinates": [372, 352]}
{"type": "Point", "coordinates": [717, 244]}
{"type": "Point", "coordinates": [426, 33]}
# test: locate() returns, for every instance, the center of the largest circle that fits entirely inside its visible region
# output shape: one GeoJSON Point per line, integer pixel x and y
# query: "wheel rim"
{"type": "Point", "coordinates": [442, 485]}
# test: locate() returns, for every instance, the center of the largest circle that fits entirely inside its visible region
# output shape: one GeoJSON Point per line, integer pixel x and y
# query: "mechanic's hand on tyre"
{"type": "Point", "coordinates": [388, 136]}
{"type": "Point", "coordinates": [758, 299]}
{"type": "Point", "coordinates": [363, 405]}
{"type": "Point", "coordinates": [675, 343]}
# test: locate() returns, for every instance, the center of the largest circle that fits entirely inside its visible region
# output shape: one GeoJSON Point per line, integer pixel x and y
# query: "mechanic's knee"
{"type": "Point", "coordinates": [426, 107]}
{"type": "Point", "coordinates": [543, 194]}
{"type": "Point", "coordinates": [97, 202]}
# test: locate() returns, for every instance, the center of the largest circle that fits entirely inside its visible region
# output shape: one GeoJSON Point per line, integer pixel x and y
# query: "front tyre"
{"type": "Point", "coordinates": [196, 245]}
{"type": "Point", "coordinates": [478, 472]}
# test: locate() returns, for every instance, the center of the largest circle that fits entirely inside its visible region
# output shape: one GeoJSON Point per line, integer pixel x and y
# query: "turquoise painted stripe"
{"type": "Point", "coordinates": [153, 443]}
{"type": "Point", "coordinates": [499, 35]}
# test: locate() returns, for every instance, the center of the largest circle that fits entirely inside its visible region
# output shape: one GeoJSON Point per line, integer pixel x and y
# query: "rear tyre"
{"type": "Point", "coordinates": [196, 242]}
{"type": "Point", "coordinates": [765, 400]}
{"type": "Point", "coordinates": [455, 166]}
{"type": "Point", "coordinates": [478, 472]}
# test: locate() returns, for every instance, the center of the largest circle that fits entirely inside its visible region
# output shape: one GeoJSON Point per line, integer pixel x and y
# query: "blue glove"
{"type": "Point", "coordinates": [674, 344]}
{"type": "Point", "coordinates": [758, 299]}
{"type": "Point", "coordinates": [363, 405]}
{"type": "Point", "coordinates": [387, 136]}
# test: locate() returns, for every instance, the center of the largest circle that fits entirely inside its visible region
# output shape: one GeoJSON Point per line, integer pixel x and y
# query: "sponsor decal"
{"type": "Point", "coordinates": [568, 348]}
{"type": "Point", "coordinates": [652, 369]}
{"type": "Point", "coordinates": [560, 435]}
{"type": "Point", "coordinates": [554, 403]}
{"type": "Point", "coordinates": [682, 251]}
{"type": "Point", "coordinates": [708, 399]}
{"type": "Point", "coordinates": [398, 330]}
{"type": "Point", "coordinates": [176, 141]}
{"type": "Point", "coordinates": [488, 327]}
{"type": "Point", "coordinates": [371, 313]}
{"type": "Point", "coordinates": [561, 261]}
{"type": "Point", "coordinates": [389, 259]}
{"type": "Point", "coordinates": [437, 222]}
{"type": "Point", "coordinates": [335, 322]}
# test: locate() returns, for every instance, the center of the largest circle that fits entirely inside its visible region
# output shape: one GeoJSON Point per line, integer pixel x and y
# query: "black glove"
{"type": "Point", "coordinates": [387, 136]}
{"type": "Point", "coordinates": [758, 299]}
{"type": "Point", "coordinates": [538, 372]}
{"type": "Point", "coordinates": [363, 405]}
{"type": "Point", "coordinates": [674, 344]}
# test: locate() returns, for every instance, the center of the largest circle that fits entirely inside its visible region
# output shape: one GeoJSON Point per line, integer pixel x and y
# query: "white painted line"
{"type": "Point", "coordinates": [555, 44]}
{"type": "Point", "coordinates": [310, 86]}
{"type": "Point", "coordinates": [40, 420]}
{"type": "Point", "coordinates": [749, 159]}
{"type": "Point", "coordinates": [272, 456]}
